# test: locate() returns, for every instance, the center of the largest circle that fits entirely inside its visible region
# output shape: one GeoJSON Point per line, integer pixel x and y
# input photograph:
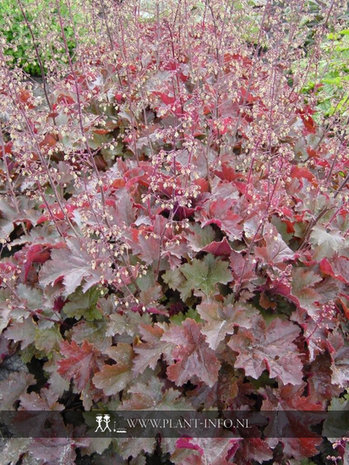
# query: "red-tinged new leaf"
{"type": "Point", "coordinates": [302, 173]}
{"type": "Point", "coordinates": [49, 141]}
{"type": "Point", "coordinates": [56, 212]}
{"type": "Point", "coordinates": [203, 184]}
{"type": "Point", "coordinates": [289, 398]}
{"type": "Point", "coordinates": [309, 124]}
{"type": "Point", "coordinates": [301, 447]}
{"type": "Point", "coordinates": [166, 99]}
{"type": "Point", "coordinates": [35, 254]}
{"type": "Point", "coordinates": [79, 363]}
{"type": "Point", "coordinates": [221, 248]}
{"type": "Point", "coordinates": [269, 348]}
{"type": "Point", "coordinates": [228, 173]}
{"type": "Point", "coordinates": [65, 99]}
{"type": "Point", "coordinates": [338, 268]}
{"type": "Point", "coordinates": [191, 355]}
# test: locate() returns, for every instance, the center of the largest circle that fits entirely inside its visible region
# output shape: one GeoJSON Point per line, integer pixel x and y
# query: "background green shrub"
{"type": "Point", "coordinates": [42, 17]}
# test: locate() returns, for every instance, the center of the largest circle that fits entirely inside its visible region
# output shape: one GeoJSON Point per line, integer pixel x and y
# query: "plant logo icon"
{"type": "Point", "coordinates": [102, 423]}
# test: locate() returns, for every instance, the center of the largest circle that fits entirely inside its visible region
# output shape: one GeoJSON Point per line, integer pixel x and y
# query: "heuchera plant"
{"type": "Point", "coordinates": [174, 230]}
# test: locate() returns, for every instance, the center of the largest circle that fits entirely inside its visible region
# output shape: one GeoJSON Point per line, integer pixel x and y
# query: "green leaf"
{"type": "Point", "coordinates": [114, 378]}
{"type": "Point", "coordinates": [127, 323]}
{"type": "Point", "coordinates": [176, 281]}
{"type": "Point", "coordinates": [31, 296]}
{"type": "Point", "coordinates": [206, 274]}
{"type": "Point", "coordinates": [180, 317]}
{"type": "Point", "coordinates": [201, 237]}
{"type": "Point", "coordinates": [173, 278]}
{"type": "Point", "coordinates": [338, 423]}
{"type": "Point", "coordinates": [46, 339]}
{"type": "Point", "coordinates": [83, 305]}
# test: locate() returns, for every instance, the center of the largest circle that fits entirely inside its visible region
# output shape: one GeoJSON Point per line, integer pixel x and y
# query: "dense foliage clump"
{"type": "Point", "coordinates": [174, 229]}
